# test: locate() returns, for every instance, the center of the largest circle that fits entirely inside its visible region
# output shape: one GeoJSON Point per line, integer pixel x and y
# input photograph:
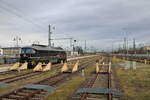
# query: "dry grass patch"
{"type": "Point", "coordinates": [135, 83]}
{"type": "Point", "coordinates": [63, 92]}
{"type": "Point", "coordinates": [66, 90]}
{"type": "Point", "coordinates": [117, 60]}
{"type": "Point", "coordinates": [28, 81]}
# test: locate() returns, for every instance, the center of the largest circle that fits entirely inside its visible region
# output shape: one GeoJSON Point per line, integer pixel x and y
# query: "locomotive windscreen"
{"type": "Point", "coordinates": [27, 51]}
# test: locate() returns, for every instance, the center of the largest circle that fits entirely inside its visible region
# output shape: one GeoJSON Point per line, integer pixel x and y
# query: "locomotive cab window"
{"type": "Point", "coordinates": [27, 50]}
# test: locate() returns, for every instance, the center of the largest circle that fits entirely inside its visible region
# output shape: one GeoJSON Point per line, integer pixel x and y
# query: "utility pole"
{"type": "Point", "coordinates": [125, 45]}
{"type": "Point", "coordinates": [134, 46]}
{"type": "Point", "coordinates": [85, 46]}
{"type": "Point", "coordinates": [112, 48]}
{"type": "Point", "coordinates": [70, 42]}
{"type": "Point", "coordinates": [49, 36]}
{"type": "Point", "coordinates": [17, 39]}
{"type": "Point", "coordinates": [119, 49]}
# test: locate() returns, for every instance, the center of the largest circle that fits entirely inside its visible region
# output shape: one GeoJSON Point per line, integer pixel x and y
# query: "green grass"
{"type": "Point", "coordinates": [90, 69]}
{"type": "Point", "coordinates": [142, 65]}
{"type": "Point", "coordinates": [66, 90]}
{"type": "Point", "coordinates": [135, 83]}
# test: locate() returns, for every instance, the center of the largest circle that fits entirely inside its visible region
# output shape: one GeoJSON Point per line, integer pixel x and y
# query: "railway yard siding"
{"type": "Point", "coordinates": [17, 84]}
{"type": "Point", "coordinates": [66, 91]}
{"type": "Point", "coordinates": [105, 74]}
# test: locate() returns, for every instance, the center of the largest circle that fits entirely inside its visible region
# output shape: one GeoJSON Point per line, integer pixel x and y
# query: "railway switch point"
{"type": "Point", "coordinates": [65, 67]}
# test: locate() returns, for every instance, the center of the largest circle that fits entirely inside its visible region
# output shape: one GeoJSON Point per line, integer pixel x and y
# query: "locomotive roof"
{"type": "Point", "coordinates": [44, 48]}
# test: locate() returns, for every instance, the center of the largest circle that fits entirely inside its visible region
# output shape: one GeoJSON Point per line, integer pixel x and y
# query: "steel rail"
{"type": "Point", "coordinates": [53, 80]}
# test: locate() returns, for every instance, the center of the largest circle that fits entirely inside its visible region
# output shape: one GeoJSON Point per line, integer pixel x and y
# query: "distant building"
{"type": "Point", "coordinates": [77, 50]}
{"type": "Point", "coordinates": [1, 51]}
{"type": "Point", "coordinates": [11, 51]}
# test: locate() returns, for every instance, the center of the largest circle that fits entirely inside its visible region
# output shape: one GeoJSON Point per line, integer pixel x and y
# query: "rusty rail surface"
{"type": "Point", "coordinates": [92, 82]}
{"type": "Point", "coordinates": [83, 97]}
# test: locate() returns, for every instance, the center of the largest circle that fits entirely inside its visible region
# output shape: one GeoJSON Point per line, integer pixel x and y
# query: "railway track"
{"type": "Point", "coordinates": [39, 94]}
{"type": "Point", "coordinates": [30, 75]}
{"type": "Point", "coordinates": [99, 80]}
{"type": "Point", "coordinates": [25, 76]}
{"type": "Point", "coordinates": [16, 72]}
{"type": "Point", "coordinates": [20, 77]}
{"type": "Point", "coordinates": [7, 72]}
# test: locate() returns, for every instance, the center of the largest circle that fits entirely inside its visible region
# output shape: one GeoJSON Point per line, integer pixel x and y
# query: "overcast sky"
{"type": "Point", "coordinates": [100, 22]}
